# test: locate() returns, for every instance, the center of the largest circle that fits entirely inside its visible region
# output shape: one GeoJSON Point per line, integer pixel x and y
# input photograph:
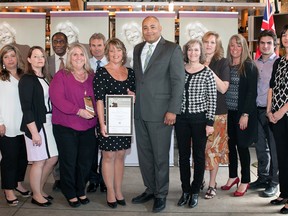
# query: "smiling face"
{"type": "Point", "coordinates": [284, 39]}
{"type": "Point", "coordinates": [210, 45]}
{"type": "Point", "coordinates": [115, 55]}
{"type": "Point", "coordinates": [37, 59]}
{"type": "Point", "coordinates": [10, 60]}
{"type": "Point", "coordinates": [59, 44]}
{"type": "Point", "coordinates": [151, 29]}
{"type": "Point", "coordinates": [133, 36]}
{"type": "Point", "coordinates": [194, 52]}
{"type": "Point", "coordinates": [235, 49]}
{"type": "Point", "coordinates": [6, 36]}
{"type": "Point", "coordinates": [77, 58]}
{"type": "Point", "coordinates": [97, 48]}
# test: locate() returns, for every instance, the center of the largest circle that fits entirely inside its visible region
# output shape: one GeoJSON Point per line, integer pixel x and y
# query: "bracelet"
{"type": "Point", "coordinates": [245, 115]}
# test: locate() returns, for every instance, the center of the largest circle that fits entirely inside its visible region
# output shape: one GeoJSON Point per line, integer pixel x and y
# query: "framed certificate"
{"type": "Point", "coordinates": [119, 115]}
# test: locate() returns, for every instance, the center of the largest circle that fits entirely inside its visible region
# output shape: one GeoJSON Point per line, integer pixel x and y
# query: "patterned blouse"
{"type": "Point", "coordinates": [200, 93]}
{"type": "Point", "coordinates": [279, 85]}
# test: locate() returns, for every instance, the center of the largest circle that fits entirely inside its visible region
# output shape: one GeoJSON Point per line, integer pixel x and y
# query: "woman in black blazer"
{"type": "Point", "coordinates": [242, 112]}
{"type": "Point", "coordinates": [36, 123]}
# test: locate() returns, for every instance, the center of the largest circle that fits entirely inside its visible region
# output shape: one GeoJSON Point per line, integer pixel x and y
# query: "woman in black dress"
{"type": "Point", "coordinates": [113, 79]}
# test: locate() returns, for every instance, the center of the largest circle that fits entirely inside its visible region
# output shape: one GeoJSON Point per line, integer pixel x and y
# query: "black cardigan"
{"type": "Point", "coordinates": [247, 104]}
{"type": "Point", "coordinates": [32, 103]}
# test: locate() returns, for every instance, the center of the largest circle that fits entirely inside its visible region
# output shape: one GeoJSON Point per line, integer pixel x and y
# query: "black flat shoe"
{"type": "Point", "coordinates": [278, 202]}
{"type": "Point", "coordinates": [49, 198]}
{"type": "Point", "coordinates": [193, 202]}
{"type": "Point", "coordinates": [142, 198]}
{"type": "Point", "coordinates": [74, 204]}
{"type": "Point", "coordinates": [24, 194]}
{"type": "Point", "coordinates": [183, 199]}
{"type": "Point", "coordinates": [84, 201]}
{"type": "Point", "coordinates": [284, 210]}
{"type": "Point", "coordinates": [121, 202]}
{"type": "Point", "coordinates": [46, 204]}
{"type": "Point", "coordinates": [112, 204]}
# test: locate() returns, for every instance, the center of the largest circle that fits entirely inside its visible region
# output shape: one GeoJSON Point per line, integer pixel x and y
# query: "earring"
{"type": "Point", "coordinates": [4, 67]}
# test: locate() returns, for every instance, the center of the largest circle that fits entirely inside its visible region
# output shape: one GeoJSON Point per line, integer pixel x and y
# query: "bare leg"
{"type": "Point", "coordinates": [213, 174]}
{"type": "Point", "coordinates": [118, 173]}
{"type": "Point", "coordinates": [35, 180]}
{"type": "Point", "coordinates": [108, 162]}
{"type": "Point", "coordinates": [47, 169]}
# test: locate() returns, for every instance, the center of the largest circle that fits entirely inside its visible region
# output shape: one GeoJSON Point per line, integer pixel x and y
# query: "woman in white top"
{"type": "Point", "coordinates": [12, 143]}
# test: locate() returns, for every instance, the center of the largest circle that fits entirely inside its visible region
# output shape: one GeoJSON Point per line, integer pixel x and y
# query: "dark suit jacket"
{"type": "Point", "coordinates": [160, 88]}
{"type": "Point", "coordinates": [51, 65]}
{"type": "Point", "coordinates": [32, 103]}
{"type": "Point", "coordinates": [247, 104]}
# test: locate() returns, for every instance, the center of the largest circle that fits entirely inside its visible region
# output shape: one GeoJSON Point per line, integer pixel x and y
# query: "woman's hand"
{"type": "Point", "coordinates": [83, 113]}
{"type": "Point", "coordinates": [36, 139]}
{"type": "Point", "coordinates": [279, 114]}
{"type": "Point", "coordinates": [209, 130]}
{"type": "Point", "coordinates": [2, 130]}
{"type": "Point", "coordinates": [271, 117]}
{"type": "Point", "coordinates": [243, 122]}
{"type": "Point", "coordinates": [131, 93]}
{"type": "Point", "coordinates": [103, 130]}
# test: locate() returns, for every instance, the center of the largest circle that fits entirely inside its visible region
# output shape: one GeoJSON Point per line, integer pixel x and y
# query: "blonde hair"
{"type": "Point", "coordinates": [72, 47]}
{"type": "Point", "coordinates": [245, 55]}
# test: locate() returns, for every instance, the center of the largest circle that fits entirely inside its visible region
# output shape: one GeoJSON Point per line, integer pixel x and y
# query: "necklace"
{"type": "Point", "coordinates": [80, 77]}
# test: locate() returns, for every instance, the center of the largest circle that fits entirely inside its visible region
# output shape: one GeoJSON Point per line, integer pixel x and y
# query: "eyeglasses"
{"type": "Point", "coordinates": [61, 42]}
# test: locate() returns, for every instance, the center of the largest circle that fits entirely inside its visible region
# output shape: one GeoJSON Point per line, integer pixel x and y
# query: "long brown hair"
{"type": "Point", "coordinates": [4, 73]}
{"type": "Point", "coordinates": [29, 69]}
{"type": "Point", "coordinates": [245, 55]}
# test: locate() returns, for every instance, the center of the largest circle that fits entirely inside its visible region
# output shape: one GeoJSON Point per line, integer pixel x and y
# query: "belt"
{"type": "Point", "coordinates": [261, 108]}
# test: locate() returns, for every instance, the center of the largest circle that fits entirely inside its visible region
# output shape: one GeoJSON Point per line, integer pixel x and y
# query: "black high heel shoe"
{"type": "Point", "coordinates": [24, 194]}
{"type": "Point", "coordinates": [121, 202]}
{"type": "Point", "coordinates": [112, 204]}
{"type": "Point", "coordinates": [11, 202]}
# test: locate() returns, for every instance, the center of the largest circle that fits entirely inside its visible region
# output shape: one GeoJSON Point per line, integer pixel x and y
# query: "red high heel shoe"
{"type": "Point", "coordinates": [238, 194]}
{"type": "Point", "coordinates": [228, 187]}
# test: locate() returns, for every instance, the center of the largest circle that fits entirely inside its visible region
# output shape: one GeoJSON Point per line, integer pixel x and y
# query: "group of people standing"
{"type": "Point", "coordinates": [211, 100]}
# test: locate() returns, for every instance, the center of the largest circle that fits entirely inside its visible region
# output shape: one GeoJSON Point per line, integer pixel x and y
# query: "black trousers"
{"type": "Point", "coordinates": [185, 131]}
{"type": "Point", "coordinates": [14, 161]}
{"type": "Point", "coordinates": [244, 154]}
{"type": "Point", "coordinates": [76, 151]}
{"type": "Point", "coordinates": [280, 131]}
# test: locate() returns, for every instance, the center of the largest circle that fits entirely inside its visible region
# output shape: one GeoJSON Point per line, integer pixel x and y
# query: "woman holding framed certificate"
{"type": "Point", "coordinates": [113, 79]}
{"type": "Point", "coordinates": [74, 122]}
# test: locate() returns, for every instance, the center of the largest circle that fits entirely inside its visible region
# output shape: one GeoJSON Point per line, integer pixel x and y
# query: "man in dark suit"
{"type": "Point", "coordinates": [159, 70]}
{"type": "Point", "coordinates": [55, 63]}
{"type": "Point", "coordinates": [58, 59]}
